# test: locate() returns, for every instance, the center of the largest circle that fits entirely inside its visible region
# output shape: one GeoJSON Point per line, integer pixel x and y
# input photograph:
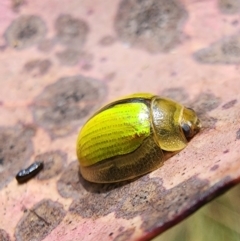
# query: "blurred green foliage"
{"type": "Point", "coordinates": [218, 220]}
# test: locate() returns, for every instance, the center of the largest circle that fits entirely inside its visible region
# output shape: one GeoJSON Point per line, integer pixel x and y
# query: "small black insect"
{"type": "Point", "coordinates": [28, 173]}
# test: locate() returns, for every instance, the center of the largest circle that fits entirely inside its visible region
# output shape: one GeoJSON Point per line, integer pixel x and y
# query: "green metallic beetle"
{"type": "Point", "coordinates": [132, 136]}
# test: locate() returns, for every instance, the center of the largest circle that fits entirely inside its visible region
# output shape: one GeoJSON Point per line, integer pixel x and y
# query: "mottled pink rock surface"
{"type": "Point", "coordinates": [61, 60]}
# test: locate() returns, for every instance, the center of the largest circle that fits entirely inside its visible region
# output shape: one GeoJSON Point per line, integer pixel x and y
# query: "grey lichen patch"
{"type": "Point", "coordinates": [110, 198]}
{"type": "Point", "coordinates": [88, 209]}
{"type": "Point", "coordinates": [229, 104]}
{"type": "Point", "coordinates": [15, 151]}
{"type": "Point", "coordinates": [144, 197]}
{"type": "Point", "coordinates": [62, 106]}
{"type": "Point", "coordinates": [68, 57]}
{"type": "Point", "coordinates": [238, 135]}
{"type": "Point", "coordinates": [208, 122]}
{"type": "Point", "coordinates": [107, 41]}
{"type": "Point", "coordinates": [53, 164]}
{"type": "Point", "coordinates": [229, 6]}
{"type": "Point", "coordinates": [38, 222]}
{"type": "Point", "coordinates": [71, 32]}
{"type": "Point", "coordinates": [140, 196]}
{"type": "Point", "coordinates": [37, 67]}
{"type": "Point", "coordinates": [206, 102]}
{"type": "Point", "coordinates": [72, 185]}
{"type": "Point", "coordinates": [153, 25]}
{"type": "Point", "coordinates": [17, 4]}
{"type": "Point", "coordinates": [46, 45]}
{"type": "Point", "coordinates": [125, 235]}
{"type": "Point", "coordinates": [226, 51]}
{"type": "Point", "coordinates": [177, 94]}
{"type": "Point", "coordinates": [25, 31]}
{"type": "Point", "coordinates": [127, 199]}
{"type": "Point", "coordinates": [69, 185]}
{"type": "Point", "coordinates": [4, 235]}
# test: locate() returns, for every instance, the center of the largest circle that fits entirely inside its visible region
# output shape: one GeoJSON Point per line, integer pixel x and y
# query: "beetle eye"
{"type": "Point", "coordinates": [186, 130]}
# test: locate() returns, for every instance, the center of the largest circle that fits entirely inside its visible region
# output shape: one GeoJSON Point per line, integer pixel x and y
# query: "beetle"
{"type": "Point", "coordinates": [132, 136]}
{"type": "Point", "coordinates": [26, 174]}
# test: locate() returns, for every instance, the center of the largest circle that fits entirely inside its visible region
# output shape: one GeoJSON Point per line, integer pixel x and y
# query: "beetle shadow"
{"type": "Point", "coordinates": [102, 187]}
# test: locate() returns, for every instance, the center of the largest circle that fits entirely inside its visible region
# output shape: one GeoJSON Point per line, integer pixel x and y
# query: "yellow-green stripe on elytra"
{"type": "Point", "coordinates": [132, 136]}
{"type": "Point", "coordinates": [112, 132]}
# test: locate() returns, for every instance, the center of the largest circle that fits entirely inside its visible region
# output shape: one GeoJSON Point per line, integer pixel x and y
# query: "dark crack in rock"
{"type": "Point", "coordinates": [229, 104]}
{"type": "Point", "coordinates": [125, 235]}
